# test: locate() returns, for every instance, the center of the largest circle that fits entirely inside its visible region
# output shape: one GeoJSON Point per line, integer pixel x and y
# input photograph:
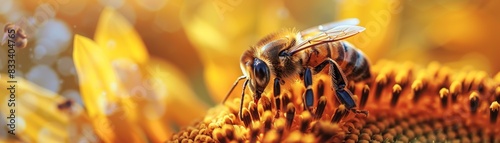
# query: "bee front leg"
{"type": "Point", "coordinates": [242, 98]}
{"type": "Point", "coordinates": [308, 95]}
{"type": "Point", "coordinates": [339, 84]}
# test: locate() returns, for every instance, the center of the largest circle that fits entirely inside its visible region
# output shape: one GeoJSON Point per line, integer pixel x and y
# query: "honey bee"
{"type": "Point", "coordinates": [289, 55]}
{"type": "Point", "coordinates": [19, 38]}
{"type": "Point", "coordinates": [65, 105]}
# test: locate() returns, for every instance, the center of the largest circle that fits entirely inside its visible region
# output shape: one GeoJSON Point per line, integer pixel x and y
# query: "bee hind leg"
{"type": "Point", "coordinates": [338, 78]}
{"type": "Point", "coordinates": [339, 85]}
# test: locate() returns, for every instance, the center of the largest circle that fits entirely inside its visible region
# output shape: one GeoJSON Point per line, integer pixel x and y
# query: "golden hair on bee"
{"type": "Point", "coordinates": [268, 48]}
{"type": "Point", "coordinates": [276, 35]}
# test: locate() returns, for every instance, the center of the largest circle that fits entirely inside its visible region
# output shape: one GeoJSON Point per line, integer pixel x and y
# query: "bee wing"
{"type": "Point", "coordinates": [322, 28]}
{"type": "Point", "coordinates": [329, 35]}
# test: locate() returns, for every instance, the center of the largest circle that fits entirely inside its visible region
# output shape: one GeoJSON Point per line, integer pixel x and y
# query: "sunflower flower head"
{"type": "Point", "coordinates": [405, 103]}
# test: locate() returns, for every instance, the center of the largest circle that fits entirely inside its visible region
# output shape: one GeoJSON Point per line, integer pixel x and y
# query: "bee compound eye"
{"type": "Point", "coordinates": [261, 72]}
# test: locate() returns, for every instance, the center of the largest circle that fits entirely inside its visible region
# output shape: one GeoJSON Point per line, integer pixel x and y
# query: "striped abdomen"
{"type": "Point", "coordinates": [351, 60]}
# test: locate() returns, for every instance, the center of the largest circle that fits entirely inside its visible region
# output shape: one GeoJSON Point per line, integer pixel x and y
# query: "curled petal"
{"type": "Point", "coordinates": [118, 37]}
{"type": "Point", "coordinates": [112, 110]}
{"type": "Point", "coordinates": [146, 91]}
{"type": "Point", "coordinates": [181, 105]}
{"type": "Point", "coordinates": [41, 115]}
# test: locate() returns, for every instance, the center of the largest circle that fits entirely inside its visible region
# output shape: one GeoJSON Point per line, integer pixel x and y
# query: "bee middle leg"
{"type": "Point", "coordinates": [339, 84]}
{"type": "Point", "coordinates": [308, 95]}
{"type": "Point", "coordinates": [277, 93]}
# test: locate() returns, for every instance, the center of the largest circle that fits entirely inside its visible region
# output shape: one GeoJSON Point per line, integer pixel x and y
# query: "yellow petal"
{"type": "Point", "coordinates": [159, 90]}
{"type": "Point", "coordinates": [145, 89]}
{"type": "Point", "coordinates": [181, 104]}
{"type": "Point", "coordinates": [27, 102]}
{"type": "Point", "coordinates": [37, 115]}
{"type": "Point", "coordinates": [118, 37]}
{"type": "Point", "coordinates": [102, 93]}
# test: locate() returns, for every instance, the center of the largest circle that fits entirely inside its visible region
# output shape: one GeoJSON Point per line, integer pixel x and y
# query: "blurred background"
{"type": "Point", "coordinates": [204, 39]}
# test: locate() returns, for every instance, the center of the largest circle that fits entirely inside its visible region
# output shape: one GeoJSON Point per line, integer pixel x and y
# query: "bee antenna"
{"type": "Point", "coordinates": [232, 88]}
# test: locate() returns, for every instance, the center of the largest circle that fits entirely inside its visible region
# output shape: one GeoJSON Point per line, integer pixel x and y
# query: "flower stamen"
{"type": "Point", "coordinates": [494, 109]}
{"type": "Point", "coordinates": [396, 91]}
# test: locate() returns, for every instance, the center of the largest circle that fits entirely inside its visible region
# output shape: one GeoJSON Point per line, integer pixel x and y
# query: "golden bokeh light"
{"type": "Point", "coordinates": [158, 70]}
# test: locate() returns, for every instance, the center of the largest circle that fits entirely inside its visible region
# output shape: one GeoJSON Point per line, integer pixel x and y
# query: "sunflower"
{"type": "Point", "coordinates": [406, 102]}
{"type": "Point", "coordinates": [129, 96]}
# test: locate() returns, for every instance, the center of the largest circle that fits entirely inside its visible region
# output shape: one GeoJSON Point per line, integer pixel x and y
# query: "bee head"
{"type": "Point", "coordinates": [261, 77]}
